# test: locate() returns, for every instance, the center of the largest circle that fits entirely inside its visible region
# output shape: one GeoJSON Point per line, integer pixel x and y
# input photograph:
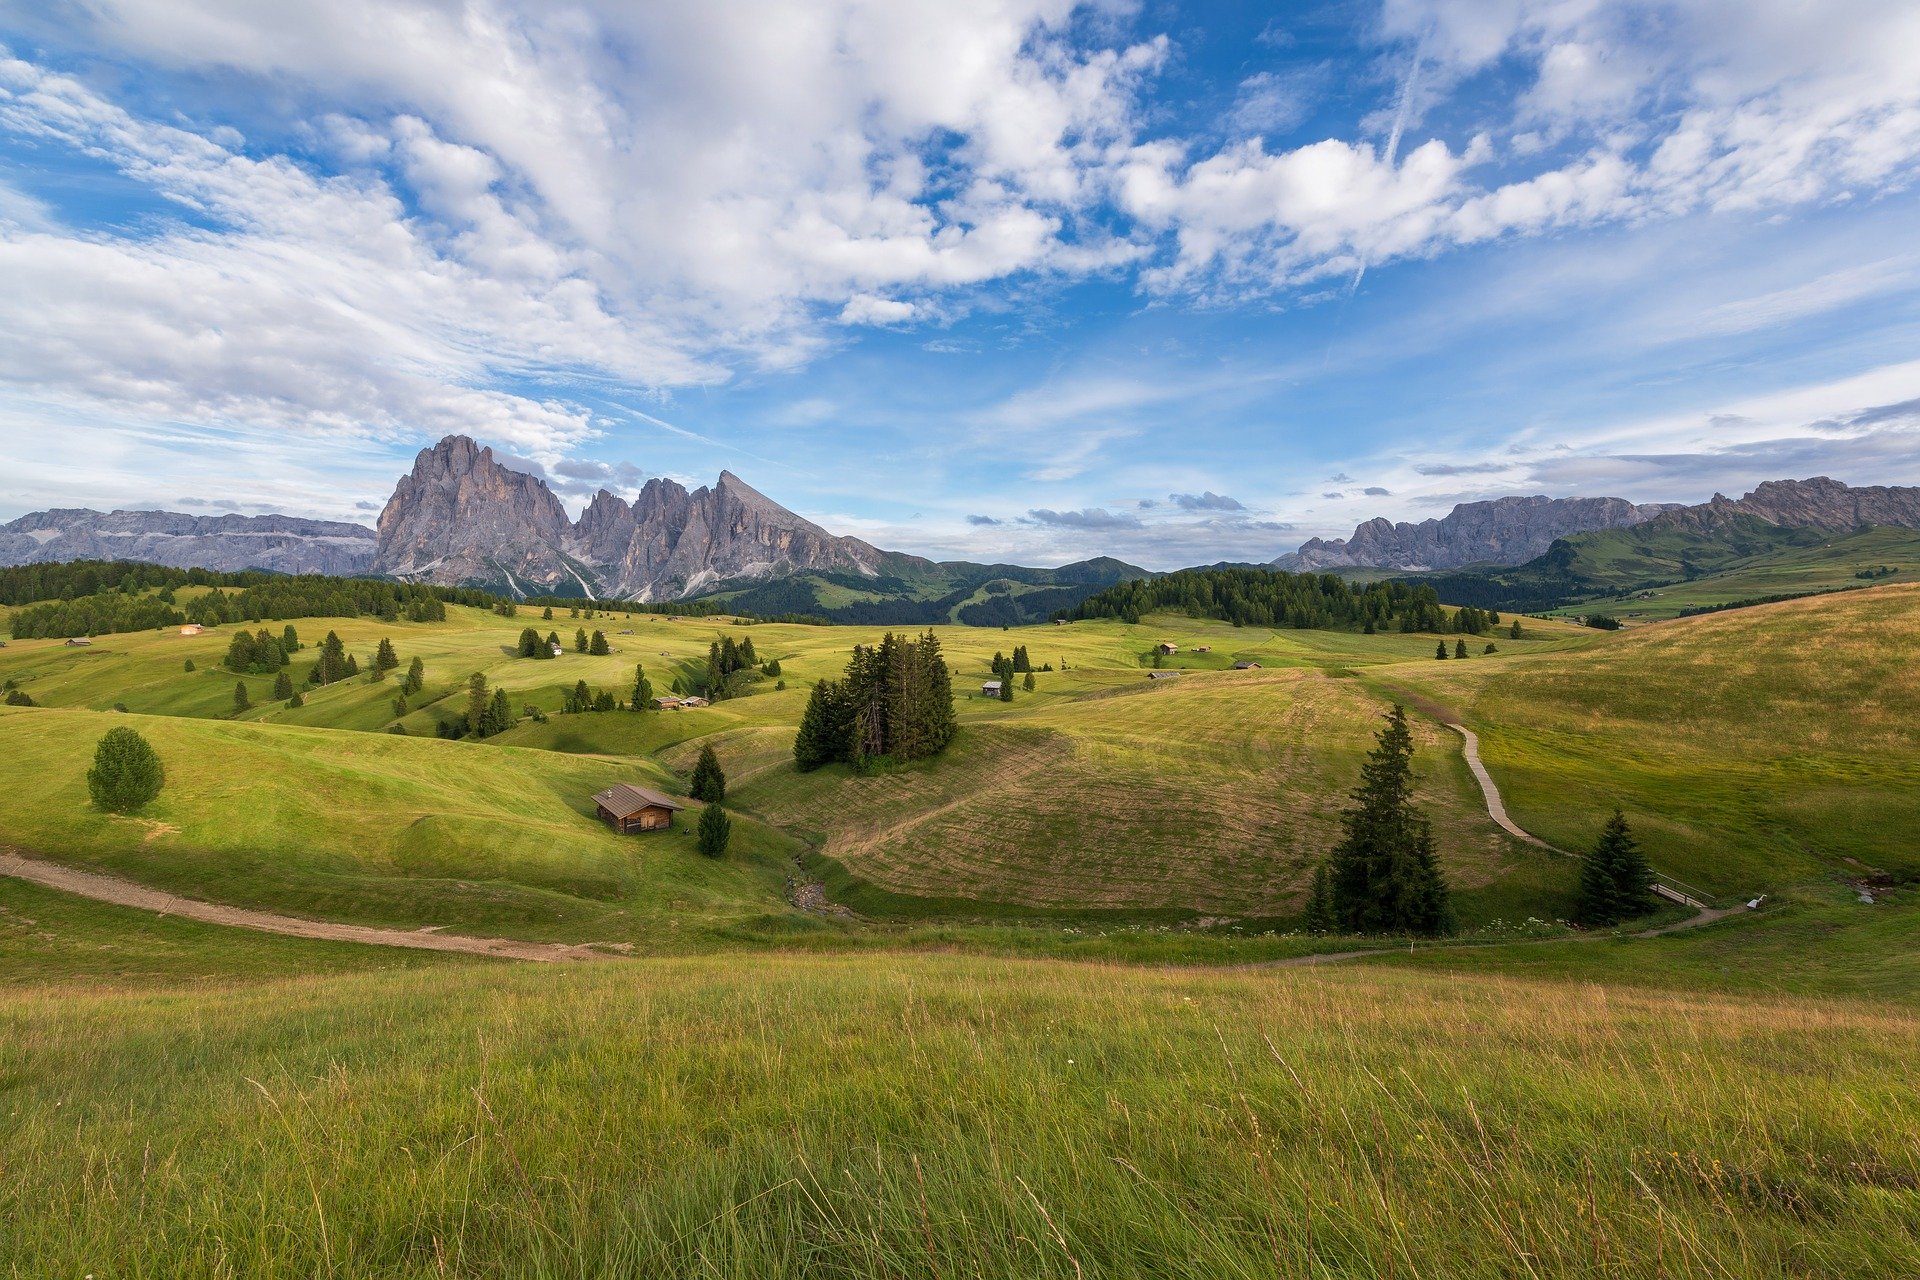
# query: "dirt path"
{"type": "Point", "coordinates": [1496, 807]}
{"type": "Point", "coordinates": [125, 893]}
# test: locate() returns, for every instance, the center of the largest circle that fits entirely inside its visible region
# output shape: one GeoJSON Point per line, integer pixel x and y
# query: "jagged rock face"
{"type": "Point", "coordinates": [227, 544]}
{"type": "Point", "coordinates": [1503, 531]}
{"type": "Point", "coordinates": [460, 517]}
{"type": "Point", "coordinates": [1823, 503]}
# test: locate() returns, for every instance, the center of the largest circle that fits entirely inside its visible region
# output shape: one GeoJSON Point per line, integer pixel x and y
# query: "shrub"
{"type": "Point", "coordinates": [126, 773]}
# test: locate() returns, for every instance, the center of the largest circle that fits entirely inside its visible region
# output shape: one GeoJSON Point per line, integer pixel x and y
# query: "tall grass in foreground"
{"type": "Point", "coordinates": [951, 1117]}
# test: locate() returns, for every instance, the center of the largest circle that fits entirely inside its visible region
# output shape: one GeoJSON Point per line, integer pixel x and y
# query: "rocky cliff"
{"type": "Point", "coordinates": [281, 544]}
{"type": "Point", "coordinates": [461, 517]}
{"type": "Point", "coordinates": [1503, 531]}
{"type": "Point", "coordinates": [1822, 503]}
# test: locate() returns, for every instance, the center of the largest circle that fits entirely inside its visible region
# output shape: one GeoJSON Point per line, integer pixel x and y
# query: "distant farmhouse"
{"type": "Point", "coordinates": [1161, 675]}
{"type": "Point", "coordinates": [1246, 666]}
{"type": "Point", "coordinates": [628, 809]}
{"type": "Point", "coordinates": [77, 641]}
{"type": "Point", "coordinates": [1169, 647]}
{"type": "Point", "coordinates": [991, 688]}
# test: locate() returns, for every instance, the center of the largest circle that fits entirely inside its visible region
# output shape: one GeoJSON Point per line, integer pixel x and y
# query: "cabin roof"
{"type": "Point", "coordinates": [623, 800]}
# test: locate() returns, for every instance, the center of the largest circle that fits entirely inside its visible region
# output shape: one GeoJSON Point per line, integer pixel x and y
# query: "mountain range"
{"type": "Point", "coordinates": [461, 517]}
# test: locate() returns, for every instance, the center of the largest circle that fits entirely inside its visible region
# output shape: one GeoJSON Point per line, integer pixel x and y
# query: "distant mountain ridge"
{"type": "Point", "coordinates": [1501, 531]}
{"type": "Point", "coordinates": [225, 543]}
{"type": "Point", "coordinates": [1516, 530]}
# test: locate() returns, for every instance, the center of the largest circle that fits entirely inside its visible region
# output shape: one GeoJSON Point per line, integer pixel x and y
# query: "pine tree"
{"type": "Point", "coordinates": [399, 705]}
{"type": "Point", "coordinates": [283, 687]}
{"type": "Point", "coordinates": [416, 678]}
{"type": "Point", "coordinates": [384, 658]}
{"type": "Point", "coordinates": [709, 783]}
{"type": "Point", "coordinates": [1514, 630]}
{"type": "Point", "coordinates": [189, 665]}
{"type": "Point", "coordinates": [241, 702]}
{"type": "Point", "coordinates": [126, 772]}
{"type": "Point", "coordinates": [581, 699]}
{"type": "Point", "coordinates": [1615, 881]}
{"type": "Point", "coordinates": [289, 640]}
{"type": "Point", "coordinates": [1320, 917]}
{"type": "Point", "coordinates": [1027, 684]}
{"type": "Point", "coordinates": [529, 643]}
{"type": "Point", "coordinates": [1440, 651]}
{"type": "Point", "coordinates": [747, 656]}
{"type": "Point", "coordinates": [553, 643]}
{"type": "Point", "coordinates": [1006, 689]}
{"type": "Point", "coordinates": [1459, 648]}
{"type": "Point", "coordinates": [1385, 876]}
{"type": "Point", "coordinates": [1491, 648]}
{"type": "Point", "coordinates": [546, 614]}
{"type": "Point", "coordinates": [297, 700]}
{"type": "Point", "coordinates": [642, 688]}
{"type": "Point", "coordinates": [477, 704]}
{"type": "Point", "coordinates": [580, 640]}
{"type": "Point", "coordinates": [716, 831]}
{"type": "Point", "coordinates": [773, 669]}
{"type": "Point", "coordinates": [333, 659]}
{"type": "Point", "coordinates": [240, 652]}
{"type": "Point", "coordinates": [599, 647]}
{"type": "Point", "coordinates": [499, 713]}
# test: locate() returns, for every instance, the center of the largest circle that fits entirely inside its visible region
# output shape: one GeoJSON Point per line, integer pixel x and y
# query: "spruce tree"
{"type": "Point", "coordinates": [1006, 688]}
{"type": "Point", "coordinates": [416, 678]}
{"type": "Point", "coordinates": [241, 702]}
{"type": "Point", "coordinates": [709, 783]}
{"type": "Point", "coordinates": [283, 687]}
{"type": "Point", "coordinates": [1459, 648]}
{"type": "Point", "coordinates": [599, 647]}
{"type": "Point", "coordinates": [642, 688]}
{"type": "Point", "coordinates": [399, 705]}
{"type": "Point", "coordinates": [1440, 651]}
{"type": "Point", "coordinates": [716, 831]}
{"type": "Point", "coordinates": [546, 614]}
{"type": "Point", "coordinates": [1514, 631]}
{"type": "Point", "coordinates": [529, 643]}
{"type": "Point", "coordinates": [189, 665]}
{"type": "Point", "coordinates": [1385, 876]}
{"type": "Point", "coordinates": [1615, 881]}
{"type": "Point", "coordinates": [126, 772]}
{"type": "Point", "coordinates": [333, 659]}
{"type": "Point", "coordinates": [384, 658]}
{"type": "Point", "coordinates": [1320, 917]}
{"type": "Point", "coordinates": [477, 704]}
{"type": "Point", "coordinates": [499, 713]}
{"type": "Point", "coordinates": [289, 640]}
{"type": "Point", "coordinates": [819, 740]}
{"type": "Point", "coordinates": [297, 700]}
{"type": "Point", "coordinates": [580, 640]}
{"type": "Point", "coordinates": [1027, 684]}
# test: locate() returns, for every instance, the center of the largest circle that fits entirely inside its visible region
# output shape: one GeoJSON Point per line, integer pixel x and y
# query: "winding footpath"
{"type": "Point", "coordinates": [125, 893]}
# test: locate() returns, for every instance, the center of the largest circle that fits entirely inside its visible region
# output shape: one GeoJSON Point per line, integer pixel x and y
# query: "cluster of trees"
{"type": "Point", "coordinates": [261, 653]}
{"type": "Point", "coordinates": [1460, 649]}
{"type": "Point", "coordinates": [1474, 622]}
{"type": "Point", "coordinates": [725, 659]}
{"type": "Point", "coordinates": [895, 702]}
{"type": "Point", "coordinates": [94, 615]}
{"type": "Point", "coordinates": [580, 698]}
{"type": "Point", "coordinates": [488, 712]}
{"type": "Point", "coordinates": [1383, 876]}
{"type": "Point", "coordinates": [532, 646]}
{"type": "Point", "coordinates": [1271, 598]}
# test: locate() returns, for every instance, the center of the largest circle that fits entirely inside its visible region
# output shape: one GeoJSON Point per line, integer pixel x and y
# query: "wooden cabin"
{"type": "Point", "coordinates": [990, 689]}
{"type": "Point", "coordinates": [1161, 675]}
{"type": "Point", "coordinates": [1168, 646]}
{"type": "Point", "coordinates": [1246, 666]}
{"type": "Point", "coordinates": [629, 809]}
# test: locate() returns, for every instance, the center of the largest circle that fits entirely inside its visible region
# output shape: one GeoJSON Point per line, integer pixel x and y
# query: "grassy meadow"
{"type": "Point", "coordinates": [952, 1116]}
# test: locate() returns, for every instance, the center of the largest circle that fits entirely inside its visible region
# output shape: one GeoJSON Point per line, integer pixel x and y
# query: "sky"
{"type": "Point", "coordinates": [1012, 280]}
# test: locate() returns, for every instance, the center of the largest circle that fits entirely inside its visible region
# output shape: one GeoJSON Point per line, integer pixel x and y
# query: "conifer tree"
{"type": "Point", "coordinates": [529, 643]}
{"type": "Point", "coordinates": [399, 705]}
{"type": "Point", "coordinates": [1514, 631]}
{"type": "Point", "coordinates": [499, 713]}
{"type": "Point", "coordinates": [384, 658]}
{"type": "Point", "coordinates": [546, 614]}
{"type": "Point", "coordinates": [709, 783]}
{"type": "Point", "coordinates": [241, 702]}
{"type": "Point", "coordinates": [599, 647]}
{"type": "Point", "coordinates": [126, 772]}
{"type": "Point", "coordinates": [553, 642]}
{"type": "Point", "coordinates": [582, 697]}
{"type": "Point", "coordinates": [1006, 688]}
{"type": "Point", "coordinates": [580, 640]}
{"type": "Point", "coordinates": [1027, 684]}
{"type": "Point", "coordinates": [642, 688]}
{"type": "Point", "coordinates": [283, 687]}
{"type": "Point", "coordinates": [1320, 916]}
{"type": "Point", "coordinates": [189, 665]}
{"type": "Point", "coordinates": [416, 678]}
{"type": "Point", "coordinates": [1440, 650]}
{"type": "Point", "coordinates": [1385, 876]}
{"type": "Point", "coordinates": [716, 831]}
{"type": "Point", "coordinates": [1459, 648]}
{"type": "Point", "coordinates": [1615, 882]}
{"type": "Point", "coordinates": [747, 656]}
{"type": "Point", "coordinates": [821, 738]}
{"type": "Point", "coordinates": [297, 700]}
{"type": "Point", "coordinates": [477, 704]}
{"type": "Point", "coordinates": [289, 640]}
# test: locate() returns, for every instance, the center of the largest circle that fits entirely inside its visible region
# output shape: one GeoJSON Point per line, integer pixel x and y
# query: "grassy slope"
{"type": "Point", "coordinates": [953, 1117]}
{"type": "Point", "coordinates": [1826, 565]}
{"type": "Point", "coordinates": [381, 829]}
{"type": "Point", "coordinates": [1752, 749]}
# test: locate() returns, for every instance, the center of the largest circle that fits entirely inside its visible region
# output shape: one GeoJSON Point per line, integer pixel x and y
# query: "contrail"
{"type": "Point", "coordinates": [1400, 113]}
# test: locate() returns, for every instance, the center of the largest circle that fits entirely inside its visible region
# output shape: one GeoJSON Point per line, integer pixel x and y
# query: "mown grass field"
{"type": "Point", "coordinates": [1752, 749]}
{"type": "Point", "coordinates": [952, 1116]}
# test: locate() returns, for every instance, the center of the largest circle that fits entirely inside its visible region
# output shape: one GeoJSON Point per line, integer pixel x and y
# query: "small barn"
{"type": "Point", "coordinates": [1246, 666]}
{"type": "Point", "coordinates": [1161, 675]}
{"type": "Point", "coordinates": [665, 702]}
{"type": "Point", "coordinates": [1168, 647]}
{"type": "Point", "coordinates": [627, 809]}
{"type": "Point", "coordinates": [991, 688]}
{"type": "Point", "coordinates": [77, 642]}
{"type": "Point", "coordinates": [695, 701]}
{"type": "Point", "coordinates": [1203, 648]}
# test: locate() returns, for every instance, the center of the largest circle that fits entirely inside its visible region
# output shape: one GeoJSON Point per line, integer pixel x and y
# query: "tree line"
{"type": "Point", "coordinates": [1273, 598]}
{"type": "Point", "coordinates": [895, 702]}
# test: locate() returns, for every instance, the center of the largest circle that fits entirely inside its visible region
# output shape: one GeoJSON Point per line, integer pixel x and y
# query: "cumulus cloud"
{"type": "Point", "coordinates": [1208, 501]}
{"type": "Point", "coordinates": [1375, 491]}
{"type": "Point", "coordinates": [983, 520]}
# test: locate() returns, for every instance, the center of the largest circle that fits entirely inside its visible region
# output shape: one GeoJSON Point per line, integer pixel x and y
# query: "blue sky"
{"type": "Point", "coordinates": [1016, 280]}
